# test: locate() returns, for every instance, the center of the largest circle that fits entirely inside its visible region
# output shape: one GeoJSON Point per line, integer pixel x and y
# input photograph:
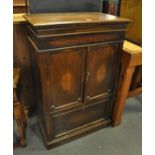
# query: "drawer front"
{"type": "Point", "coordinates": [68, 121]}
{"type": "Point", "coordinates": [69, 41]}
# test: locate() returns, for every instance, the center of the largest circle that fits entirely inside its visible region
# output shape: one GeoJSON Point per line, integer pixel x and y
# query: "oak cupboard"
{"type": "Point", "coordinates": [75, 61]}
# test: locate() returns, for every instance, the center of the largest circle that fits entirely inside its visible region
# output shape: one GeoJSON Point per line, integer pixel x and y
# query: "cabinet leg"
{"type": "Point", "coordinates": [122, 95]}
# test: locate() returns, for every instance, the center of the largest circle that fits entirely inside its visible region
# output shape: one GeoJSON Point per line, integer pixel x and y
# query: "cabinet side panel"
{"type": "Point", "coordinates": [41, 106]}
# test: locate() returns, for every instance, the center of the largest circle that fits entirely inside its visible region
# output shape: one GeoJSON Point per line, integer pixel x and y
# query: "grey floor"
{"type": "Point", "coordinates": [125, 139]}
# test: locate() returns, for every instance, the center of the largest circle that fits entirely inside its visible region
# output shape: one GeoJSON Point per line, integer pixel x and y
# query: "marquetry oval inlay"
{"type": "Point", "coordinates": [67, 81]}
{"type": "Point", "coordinates": [100, 75]}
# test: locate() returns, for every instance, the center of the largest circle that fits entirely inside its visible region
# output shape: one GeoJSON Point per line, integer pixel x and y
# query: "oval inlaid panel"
{"type": "Point", "coordinates": [66, 81]}
{"type": "Point", "coordinates": [100, 75]}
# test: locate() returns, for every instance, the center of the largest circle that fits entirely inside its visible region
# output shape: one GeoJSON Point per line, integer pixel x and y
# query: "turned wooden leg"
{"type": "Point", "coordinates": [22, 132]}
{"type": "Point", "coordinates": [122, 96]}
{"type": "Point", "coordinates": [21, 115]}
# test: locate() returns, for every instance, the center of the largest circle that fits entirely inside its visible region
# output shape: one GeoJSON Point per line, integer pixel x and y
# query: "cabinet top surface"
{"type": "Point", "coordinates": [48, 19]}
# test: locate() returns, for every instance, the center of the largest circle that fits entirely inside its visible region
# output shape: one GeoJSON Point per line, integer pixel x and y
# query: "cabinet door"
{"type": "Point", "coordinates": [66, 77]}
{"type": "Point", "coordinates": [100, 71]}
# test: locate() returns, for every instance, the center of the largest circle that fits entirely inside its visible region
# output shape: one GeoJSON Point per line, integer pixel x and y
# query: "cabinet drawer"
{"type": "Point", "coordinates": [65, 41]}
{"type": "Point", "coordinates": [71, 120]}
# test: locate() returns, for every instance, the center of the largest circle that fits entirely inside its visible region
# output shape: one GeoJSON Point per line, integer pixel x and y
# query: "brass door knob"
{"type": "Point", "coordinates": [87, 76]}
{"type": "Point", "coordinates": [53, 106]}
{"type": "Point", "coordinates": [88, 73]}
{"type": "Point", "coordinates": [79, 99]}
{"type": "Point", "coordinates": [109, 90]}
{"type": "Point", "coordinates": [88, 97]}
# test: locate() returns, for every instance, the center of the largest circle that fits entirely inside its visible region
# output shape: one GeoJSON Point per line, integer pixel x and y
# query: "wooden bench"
{"type": "Point", "coordinates": [130, 59]}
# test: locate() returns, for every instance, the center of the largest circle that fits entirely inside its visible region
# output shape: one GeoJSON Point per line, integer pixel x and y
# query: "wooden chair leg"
{"type": "Point", "coordinates": [136, 79]}
{"type": "Point", "coordinates": [22, 132]}
{"type": "Point", "coordinates": [20, 114]}
{"type": "Point", "coordinates": [122, 95]}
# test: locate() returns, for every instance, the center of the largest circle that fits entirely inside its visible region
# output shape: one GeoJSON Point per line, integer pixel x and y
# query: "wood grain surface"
{"type": "Point", "coordinates": [71, 18]}
{"type": "Point", "coordinates": [132, 9]}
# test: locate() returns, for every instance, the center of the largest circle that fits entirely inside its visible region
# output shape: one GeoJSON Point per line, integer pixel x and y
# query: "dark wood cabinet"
{"type": "Point", "coordinates": [75, 58]}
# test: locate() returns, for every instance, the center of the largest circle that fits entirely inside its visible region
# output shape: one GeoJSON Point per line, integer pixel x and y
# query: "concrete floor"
{"type": "Point", "coordinates": [125, 139]}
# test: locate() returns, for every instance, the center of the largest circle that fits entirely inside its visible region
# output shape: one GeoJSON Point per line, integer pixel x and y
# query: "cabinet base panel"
{"type": "Point", "coordinates": [74, 134]}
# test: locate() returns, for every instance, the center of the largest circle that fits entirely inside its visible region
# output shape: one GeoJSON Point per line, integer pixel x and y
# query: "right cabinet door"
{"type": "Point", "coordinates": [101, 66]}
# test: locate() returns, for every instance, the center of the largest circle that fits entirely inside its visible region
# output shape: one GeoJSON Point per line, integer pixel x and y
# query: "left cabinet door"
{"type": "Point", "coordinates": [62, 78]}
